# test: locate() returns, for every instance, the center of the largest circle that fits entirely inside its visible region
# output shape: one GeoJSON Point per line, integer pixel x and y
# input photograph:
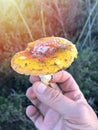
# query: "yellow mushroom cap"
{"type": "Point", "coordinates": [44, 56]}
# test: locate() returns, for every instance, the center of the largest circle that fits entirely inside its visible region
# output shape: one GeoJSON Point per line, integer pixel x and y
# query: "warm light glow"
{"type": "Point", "coordinates": [23, 21]}
{"type": "Point", "coordinates": [5, 5]}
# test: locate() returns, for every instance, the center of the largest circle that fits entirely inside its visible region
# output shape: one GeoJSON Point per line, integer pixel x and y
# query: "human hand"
{"type": "Point", "coordinates": [61, 106]}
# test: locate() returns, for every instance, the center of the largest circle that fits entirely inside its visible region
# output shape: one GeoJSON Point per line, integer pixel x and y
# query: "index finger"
{"type": "Point", "coordinates": [65, 79]}
{"type": "Point", "coordinates": [33, 79]}
{"type": "Point", "coordinates": [68, 85]}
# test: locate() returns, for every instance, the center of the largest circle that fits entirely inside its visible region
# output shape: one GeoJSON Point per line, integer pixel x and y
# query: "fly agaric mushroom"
{"type": "Point", "coordinates": [44, 57]}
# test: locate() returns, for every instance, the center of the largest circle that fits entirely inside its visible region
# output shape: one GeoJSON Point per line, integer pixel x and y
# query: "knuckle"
{"type": "Point", "coordinates": [52, 96]}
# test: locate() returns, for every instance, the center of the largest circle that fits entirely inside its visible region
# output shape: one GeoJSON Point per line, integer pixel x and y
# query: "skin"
{"type": "Point", "coordinates": [61, 106]}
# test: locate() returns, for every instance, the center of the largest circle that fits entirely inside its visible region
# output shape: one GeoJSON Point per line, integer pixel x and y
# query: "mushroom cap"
{"type": "Point", "coordinates": [44, 56]}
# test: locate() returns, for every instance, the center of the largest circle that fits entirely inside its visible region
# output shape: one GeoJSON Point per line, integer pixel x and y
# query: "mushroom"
{"type": "Point", "coordinates": [44, 57]}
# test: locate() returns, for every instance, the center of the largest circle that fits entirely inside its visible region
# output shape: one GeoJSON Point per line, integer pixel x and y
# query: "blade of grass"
{"type": "Point", "coordinates": [23, 19]}
{"type": "Point", "coordinates": [94, 18]}
{"type": "Point", "coordinates": [87, 21]}
{"type": "Point", "coordinates": [43, 20]}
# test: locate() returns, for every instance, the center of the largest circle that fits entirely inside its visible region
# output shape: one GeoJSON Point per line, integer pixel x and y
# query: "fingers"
{"type": "Point", "coordinates": [33, 79]}
{"type": "Point", "coordinates": [53, 98]}
{"type": "Point", "coordinates": [68, 85]}
{"type": "Point", "coordinates": [60, 76]}
{"type": "Point", "coordinates": [35, 116]}
{"type": "Point", "coordinates": [65, 80]}
{"type": "Point", "coordinates": [32, 97]}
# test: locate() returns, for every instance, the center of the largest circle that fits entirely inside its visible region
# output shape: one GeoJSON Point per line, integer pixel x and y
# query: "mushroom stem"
{"type": "Point", "coordinates": [46, 78]}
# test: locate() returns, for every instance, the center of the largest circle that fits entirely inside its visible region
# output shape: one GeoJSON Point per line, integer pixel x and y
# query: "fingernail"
{"type": "Point", "coordinates": [41, 88]}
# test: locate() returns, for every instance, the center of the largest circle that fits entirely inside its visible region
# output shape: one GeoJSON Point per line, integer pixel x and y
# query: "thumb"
{"type": "Point", "coordinates": [53, 98]}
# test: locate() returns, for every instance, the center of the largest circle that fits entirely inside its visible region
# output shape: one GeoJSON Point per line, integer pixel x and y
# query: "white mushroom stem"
{"type": "Point", "coordinates": [46, 78]}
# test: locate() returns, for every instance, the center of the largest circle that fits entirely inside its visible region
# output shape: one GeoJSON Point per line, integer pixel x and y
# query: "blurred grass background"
{"type": "Point", "coordinates": [23, 21]}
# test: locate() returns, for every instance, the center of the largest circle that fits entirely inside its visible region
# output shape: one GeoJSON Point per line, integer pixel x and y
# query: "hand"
{"type": "Point", "coordinates": [61, 106]}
